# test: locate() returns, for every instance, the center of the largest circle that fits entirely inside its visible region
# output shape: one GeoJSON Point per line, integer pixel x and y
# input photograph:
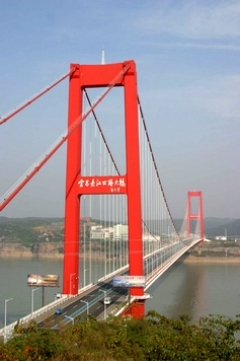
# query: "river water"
{"type": "Point", "coordinates": [197, 289]}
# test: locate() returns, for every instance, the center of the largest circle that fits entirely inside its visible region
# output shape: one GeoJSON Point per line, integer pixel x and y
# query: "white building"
{"type": "Point", "coordinates": [97, 232]}
{"type": "Point", "coordinates": [150, 238]}
{"type": "Point", "coordinates": [221, 238]}
{"type": "Point", "coordinates": [120, 232]}
{"type": "Point", "coordinates": [95, 228]}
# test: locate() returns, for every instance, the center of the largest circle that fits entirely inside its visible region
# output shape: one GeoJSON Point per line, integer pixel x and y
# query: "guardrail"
{"type": "Point", "coordinates": [7, 331]}
{"type": "Point", "coordinates": [153, 277]}
{"type": "Point", "coordinates": [81, 309]}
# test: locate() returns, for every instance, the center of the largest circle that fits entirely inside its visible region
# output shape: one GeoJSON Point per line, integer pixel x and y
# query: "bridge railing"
{"type": "Point", "coordinates": [154, 276]}
{"type": "Point", "coordinates": [7, 332]}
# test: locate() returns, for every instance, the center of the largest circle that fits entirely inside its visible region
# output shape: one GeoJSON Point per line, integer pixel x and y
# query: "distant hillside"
{"type": "Point", "coordinates": [34, 221]}
{"type": "Point", "coordinates": [33, 229]}
{"type": "Point", "coordinates": [212, 222]}
{"type": "Point", "coordinates": [216, 226]}
{"type": "Point", "coordinates": [209, 223]}
{"type": "Point", "coordinates": [231, 229]}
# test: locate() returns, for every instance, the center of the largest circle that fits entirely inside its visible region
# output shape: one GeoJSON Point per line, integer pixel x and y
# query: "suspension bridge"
{"type": "Point", "coordinates": [115, 206]}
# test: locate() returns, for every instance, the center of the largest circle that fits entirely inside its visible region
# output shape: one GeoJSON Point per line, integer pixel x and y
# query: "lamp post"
{"type": "Point", "coordinates": [70, 318]}
{"type": "Point", "coordinates": [32, 308]}
{"type": "Point", "coordinates": [87, 306]}
{"type": "Point", "coordinates": [84, 279]}
{"type": "Point", "coordinates": [5, 323]}
{"type": "Point", "coordinates": [105, 316]}
{"type": "Point", "coordinates": [71, 275]}
{"type": "Point", "coordinates": [147, 267]}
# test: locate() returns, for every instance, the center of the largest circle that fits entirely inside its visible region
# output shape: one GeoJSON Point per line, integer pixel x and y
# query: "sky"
{"type": "Point", "coordinates": [187, 57]}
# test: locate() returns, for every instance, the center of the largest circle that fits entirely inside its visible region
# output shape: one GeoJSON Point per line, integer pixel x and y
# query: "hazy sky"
{"type": "Point", "coordinates": [188, 61]}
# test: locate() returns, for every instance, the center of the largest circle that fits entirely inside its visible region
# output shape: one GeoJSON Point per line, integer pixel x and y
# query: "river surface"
{"type": "Point", "coordinates": [195, 288]}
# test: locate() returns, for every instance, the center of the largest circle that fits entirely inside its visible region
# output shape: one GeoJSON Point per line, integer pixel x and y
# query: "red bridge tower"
{"type": "Point", "coordinates": [93, 76]}
{"type": "Point", "coordinates": [191, 216]}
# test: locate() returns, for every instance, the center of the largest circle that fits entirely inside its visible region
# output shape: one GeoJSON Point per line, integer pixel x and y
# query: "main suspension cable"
{"type": "Point", "coordinates": [5, 118]}
{"type": "Point", "coordinates": [9, 195]}
{"type": "Point", "coordinates": [155, 165]}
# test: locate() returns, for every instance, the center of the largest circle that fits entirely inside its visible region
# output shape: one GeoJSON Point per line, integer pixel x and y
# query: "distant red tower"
{"type": "Point", "coordinates": [191, 216]}
{"type": "Point", "coordinates": [93, 76]}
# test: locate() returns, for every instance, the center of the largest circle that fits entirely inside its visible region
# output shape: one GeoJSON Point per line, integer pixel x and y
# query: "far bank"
{"type": "Point", "coordinates": [205, 253]}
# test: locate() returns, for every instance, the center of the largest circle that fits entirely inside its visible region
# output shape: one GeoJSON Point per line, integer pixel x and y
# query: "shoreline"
{"type": "Point", "coordinates": [186, 259]}
{"type": "Point", "coordinates": [55, 251]}
{"type": "Point", "coordinates": [51, 256]}
{"type": "Point", "coordinates": [207, 259]}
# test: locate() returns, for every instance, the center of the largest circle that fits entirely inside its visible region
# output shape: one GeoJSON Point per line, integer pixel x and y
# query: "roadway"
{"type": "Point", "coordinates": [87, 304]}
{"type": "Point", "coordinates": [90, 302]}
